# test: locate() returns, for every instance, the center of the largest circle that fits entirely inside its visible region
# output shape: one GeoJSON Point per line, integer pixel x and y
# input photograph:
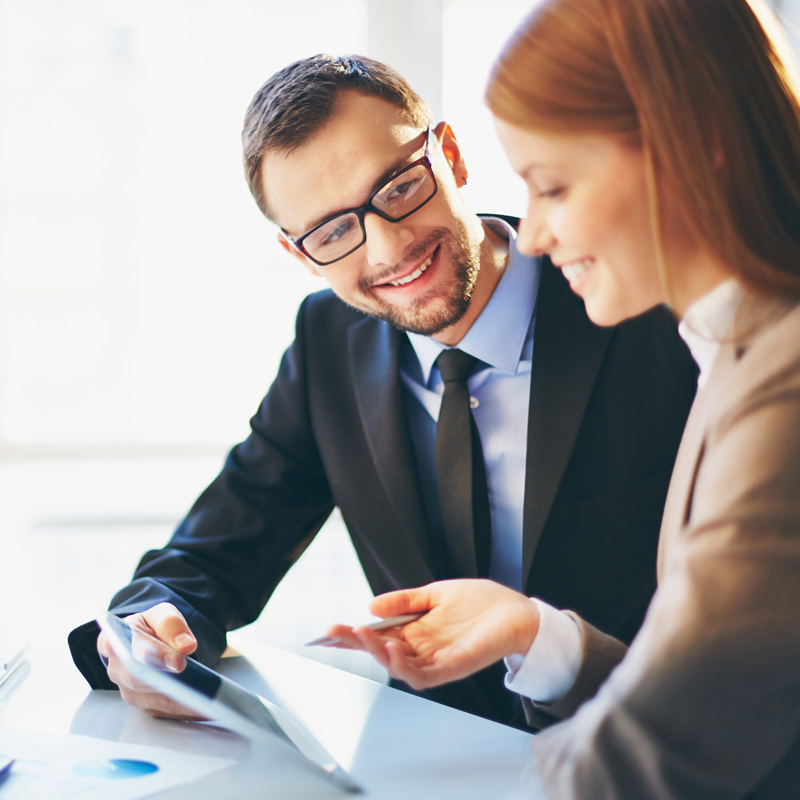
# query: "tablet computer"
{"type": "Point", "coordinates": [216, 697]}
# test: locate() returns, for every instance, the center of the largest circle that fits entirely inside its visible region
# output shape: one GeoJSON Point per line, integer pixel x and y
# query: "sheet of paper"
{"type": "Point", "coordinates": [48, 765]}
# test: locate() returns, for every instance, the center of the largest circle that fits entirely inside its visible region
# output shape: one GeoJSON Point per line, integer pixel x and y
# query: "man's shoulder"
{"type": "Point", "coordinates": [323, 315]}
{"type": "Point", "coordinates": [650, 339]}
{"type": "Point", "coordinates": [507, 218]}
{"type": "Point", "coordinates": [325, 307]}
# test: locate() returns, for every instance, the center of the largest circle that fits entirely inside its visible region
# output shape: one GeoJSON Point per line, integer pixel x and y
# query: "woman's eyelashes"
{"type": "Point", "coordinates": [550, 193]}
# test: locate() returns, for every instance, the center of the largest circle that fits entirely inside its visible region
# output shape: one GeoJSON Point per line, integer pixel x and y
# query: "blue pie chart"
{"type": "Point", "coordinates": [115, 768]}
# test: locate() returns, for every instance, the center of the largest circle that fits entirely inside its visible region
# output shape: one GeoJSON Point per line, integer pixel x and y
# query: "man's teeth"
{"type": "Point", "coordinates": [414, 275]}
{"type": "Point", "coordinates": [576, 269]}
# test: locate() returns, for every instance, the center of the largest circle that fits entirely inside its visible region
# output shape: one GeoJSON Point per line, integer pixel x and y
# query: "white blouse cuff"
{"type": "Point", "coordinates": [547, 671]}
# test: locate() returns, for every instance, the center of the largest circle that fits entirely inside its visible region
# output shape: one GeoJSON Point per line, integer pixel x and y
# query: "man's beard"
{"type": "Point", "coordinates": [451, 306]}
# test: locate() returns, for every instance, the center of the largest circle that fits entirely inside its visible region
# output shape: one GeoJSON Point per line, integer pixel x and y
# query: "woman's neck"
{"type": "Point", "coordinates": [697, 276]}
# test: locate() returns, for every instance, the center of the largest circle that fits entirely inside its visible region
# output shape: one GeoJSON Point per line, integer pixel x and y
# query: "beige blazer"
{"type": "Point", "coordinates": [706, 702]}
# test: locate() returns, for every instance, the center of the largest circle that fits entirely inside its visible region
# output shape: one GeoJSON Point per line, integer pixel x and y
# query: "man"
{"type": "Point", "coordinates": [578, 426]}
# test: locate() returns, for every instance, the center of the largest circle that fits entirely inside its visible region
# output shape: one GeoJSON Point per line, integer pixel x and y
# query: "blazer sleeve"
{"type": "Point", "coordinates": [707, 701]}
{"type": "Point", "coordinates": [243, 532]}
{"type": "Point", "coordinates": [600, 653]}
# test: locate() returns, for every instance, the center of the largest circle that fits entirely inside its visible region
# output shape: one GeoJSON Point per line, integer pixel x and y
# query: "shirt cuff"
{"type": "Point", "coordinates": [550, 667]}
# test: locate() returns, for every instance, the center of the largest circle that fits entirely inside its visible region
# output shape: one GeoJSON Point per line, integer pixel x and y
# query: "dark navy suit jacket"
{"type": "Point", "coordinates": [607, 409]}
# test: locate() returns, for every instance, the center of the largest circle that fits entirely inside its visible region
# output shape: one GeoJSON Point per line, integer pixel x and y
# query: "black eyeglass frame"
{"type": "Point", "coordinates": [424, 160]}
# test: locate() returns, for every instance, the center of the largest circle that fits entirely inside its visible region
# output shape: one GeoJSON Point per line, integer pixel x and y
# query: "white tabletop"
{"type": "Point", "coordinates": [394, 744]}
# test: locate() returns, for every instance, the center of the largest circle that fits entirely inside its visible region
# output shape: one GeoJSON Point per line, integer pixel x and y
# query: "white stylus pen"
{"type": "Point", "coordinates": [381, 625]}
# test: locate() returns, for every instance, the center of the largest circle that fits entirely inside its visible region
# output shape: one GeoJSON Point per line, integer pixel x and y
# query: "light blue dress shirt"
{"type": "Point", "coordinates": [502, 338]}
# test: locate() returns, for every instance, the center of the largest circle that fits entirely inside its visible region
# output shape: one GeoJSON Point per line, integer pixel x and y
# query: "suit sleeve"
{"type": "Point", "coordinates": [600, 653]}
{"type": "Point", "coordinates": [245, 530]}
{"type": "Point", "coordinates": [707, 701]}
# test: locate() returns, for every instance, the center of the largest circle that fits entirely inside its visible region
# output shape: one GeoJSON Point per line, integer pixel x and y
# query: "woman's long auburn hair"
{"type": "Point", "coordinates": [705, 86]}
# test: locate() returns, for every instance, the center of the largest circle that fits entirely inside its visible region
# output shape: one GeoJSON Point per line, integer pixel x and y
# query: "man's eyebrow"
{"type": "Point", "coordinates": [393, 170]}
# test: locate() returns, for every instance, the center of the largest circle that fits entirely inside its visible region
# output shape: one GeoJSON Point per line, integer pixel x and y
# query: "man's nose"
{"type": "Point", "coordinates": [534, 237]}
{"type": "Point", "coordinates": [387, 241]}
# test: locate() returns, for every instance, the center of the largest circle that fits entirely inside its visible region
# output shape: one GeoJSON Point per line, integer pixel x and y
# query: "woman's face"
{"type": "Point", "coordinates": [588, 210]}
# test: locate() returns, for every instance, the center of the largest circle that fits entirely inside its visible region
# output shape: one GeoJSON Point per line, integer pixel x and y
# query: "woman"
{"type": "Point", "coordinates": [660, 144]}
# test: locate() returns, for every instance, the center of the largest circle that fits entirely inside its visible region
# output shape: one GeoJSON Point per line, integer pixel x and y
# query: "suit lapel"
{"type": "Point", "coordinates": [373, 350]}
{"type": "Point", "coordinates": [678, 506]}
{"type": "Point", "coordinates": [567, 353]}
{"type": "Point", "coordinates": [753, 315]}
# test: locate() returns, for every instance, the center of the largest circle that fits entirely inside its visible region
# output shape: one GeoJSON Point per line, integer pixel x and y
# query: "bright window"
{"type": "Point", "coordinates": [143, 300]}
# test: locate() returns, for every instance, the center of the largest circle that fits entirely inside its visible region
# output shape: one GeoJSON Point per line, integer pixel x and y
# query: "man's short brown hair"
{"type": "Point", "coordinates": [298, 100]}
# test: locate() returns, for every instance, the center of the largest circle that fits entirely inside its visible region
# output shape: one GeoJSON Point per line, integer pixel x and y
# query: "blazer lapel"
{"type": "Point", "coordinates": [753, 315]}
{"type": "Point", "coordinates": [373, 350]}
{"type": "Point", "coordinates": [567, 353]}
{"type": "Point", "coordinates": [678, 506]}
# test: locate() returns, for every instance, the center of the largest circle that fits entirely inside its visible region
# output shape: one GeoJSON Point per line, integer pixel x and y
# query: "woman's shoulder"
{"type": "Point", "coordinates": [751, 428]}
{"type": "Point", "coordinates": [762, 367]}
{"type": "Point", "coordinates": [772, 352]}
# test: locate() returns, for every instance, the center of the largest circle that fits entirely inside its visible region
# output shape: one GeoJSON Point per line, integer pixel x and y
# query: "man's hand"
{"type": "Point", "coordinates": [166, 623]}
{"type": "Point", "coordinates": [469, 625]}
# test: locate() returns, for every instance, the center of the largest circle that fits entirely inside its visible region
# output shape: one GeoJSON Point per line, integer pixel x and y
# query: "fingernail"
{"type": "Point", "coordinates": [171, 662]}
{"type": "Point", "coordinates": [184, 640]}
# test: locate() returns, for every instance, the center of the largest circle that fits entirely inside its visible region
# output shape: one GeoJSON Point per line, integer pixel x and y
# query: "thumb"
{"type": "Point", "coordinates": [169, 625]}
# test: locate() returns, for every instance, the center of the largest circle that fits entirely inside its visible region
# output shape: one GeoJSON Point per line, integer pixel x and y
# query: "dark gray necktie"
{"type": "Point", "coordinates": [460, 472]}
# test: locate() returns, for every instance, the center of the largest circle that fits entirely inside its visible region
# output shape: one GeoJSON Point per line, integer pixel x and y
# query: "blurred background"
{"type": "Point", "coordinates": [144, 301]}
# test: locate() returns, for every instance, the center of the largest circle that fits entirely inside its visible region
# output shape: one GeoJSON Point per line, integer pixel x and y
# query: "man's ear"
{"type": "Point", "coordinates": [306, 262]}
{"type": "Point", "coordinates": [452, 152]}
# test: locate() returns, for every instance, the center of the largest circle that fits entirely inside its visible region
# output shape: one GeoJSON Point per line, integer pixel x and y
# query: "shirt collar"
{"type": "Point", "coordinates": [498, 335]}
{"type": "Point", "coordinates": [708, 322]}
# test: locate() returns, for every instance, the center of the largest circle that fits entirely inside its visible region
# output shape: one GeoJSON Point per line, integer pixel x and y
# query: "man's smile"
{"type": "Point", "coordinates": [414, 275]}
{"type": "Point", "coordinates": [411, 276]}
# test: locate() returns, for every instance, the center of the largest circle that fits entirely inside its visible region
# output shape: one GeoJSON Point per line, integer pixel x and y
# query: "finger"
{"type": "Point", "coordinates": [373, 644]}
{"type": "Point", "coordinates": [404, 666]}
{"type": "Point", "coordinates": [347, 639]}
{"type": "Point", "coordinates": [123, 679]}
{"type": "Point", "coordinates": [116, 672]}
{"type": "Point", "coordinates": [169, 625]}
{"type": "Point", "coordinates": [141, 695]}
{"type": "Point", "coordinates": [103, 646]}
{"type": "Point", "coordinates": [158, 705]}
{"type": "Point", "coordinates": [405, 601]}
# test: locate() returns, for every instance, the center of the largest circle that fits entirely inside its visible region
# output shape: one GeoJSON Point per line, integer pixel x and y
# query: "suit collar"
{"type": "Point", "coordinates": [498, 335]}
{"type": "Point", "coordinates": [708, 322]}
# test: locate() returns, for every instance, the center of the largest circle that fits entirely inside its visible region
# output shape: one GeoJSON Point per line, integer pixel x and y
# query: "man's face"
{"type": "Point", "coordinates": [419, 273]}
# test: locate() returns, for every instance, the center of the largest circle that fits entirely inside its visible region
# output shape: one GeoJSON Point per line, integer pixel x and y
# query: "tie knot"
{"type": "Point", "coordinates": [456, 365]}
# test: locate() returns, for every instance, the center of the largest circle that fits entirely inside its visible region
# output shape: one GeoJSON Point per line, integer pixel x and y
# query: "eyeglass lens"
{"type": "Point", "coordinates": [401, 196]}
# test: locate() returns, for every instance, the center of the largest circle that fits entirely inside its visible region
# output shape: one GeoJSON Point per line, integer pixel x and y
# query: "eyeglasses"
{"type": "Point", "coordinates": [403, 194]}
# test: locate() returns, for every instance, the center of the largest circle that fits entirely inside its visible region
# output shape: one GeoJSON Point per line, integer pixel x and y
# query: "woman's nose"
{"type": "Point", "coordinates": [534, 237]}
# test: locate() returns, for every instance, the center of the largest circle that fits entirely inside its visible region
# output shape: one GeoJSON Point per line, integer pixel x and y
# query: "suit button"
{"type": "Point", "coordinates": [473, 402]}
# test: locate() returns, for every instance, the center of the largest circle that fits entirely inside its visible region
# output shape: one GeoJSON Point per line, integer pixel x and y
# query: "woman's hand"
{"type": "Point", "coordinates": [469, 625]}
